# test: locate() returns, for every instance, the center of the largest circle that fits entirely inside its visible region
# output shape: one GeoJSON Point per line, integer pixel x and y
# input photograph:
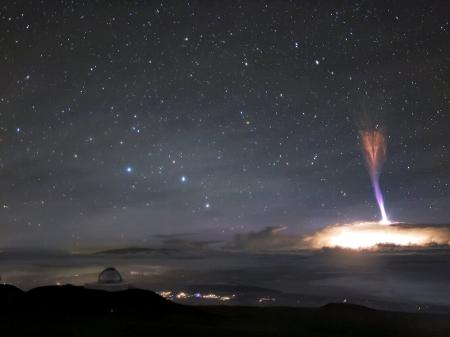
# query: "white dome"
{"type": "Point", "coordinates": [110, 275]}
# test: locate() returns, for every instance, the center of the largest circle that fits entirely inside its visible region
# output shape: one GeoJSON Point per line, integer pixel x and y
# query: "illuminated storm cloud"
{"type": "Point", "coordinates": [371, 235]}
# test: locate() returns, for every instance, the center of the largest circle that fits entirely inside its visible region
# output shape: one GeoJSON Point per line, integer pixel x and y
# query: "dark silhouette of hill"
{"type": "Point", "coordinates": [76, 311]}
{"type": "Point", "coordinates": [78, 300]}
{"type": "Point", "coordinates": [346, 307]}
{"type": "Point", "coordinates": [9, 296]}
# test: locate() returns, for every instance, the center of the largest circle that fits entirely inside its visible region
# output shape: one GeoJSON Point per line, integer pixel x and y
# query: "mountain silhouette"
{"type": "Point", "coordinates": [76, 311]}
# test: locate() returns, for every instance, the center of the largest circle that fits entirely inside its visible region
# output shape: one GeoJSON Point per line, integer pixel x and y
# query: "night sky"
{"type": "Point", "coordinates": [124, 120]}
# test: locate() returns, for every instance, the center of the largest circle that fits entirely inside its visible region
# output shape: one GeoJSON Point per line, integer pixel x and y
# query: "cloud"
{"type": "Point", "coordinates": [181, 241]}
{"type": "Point", "coordinates": [272, 238]}
{"type": "Point", "coordinates": [372, 235]}
{"type": "Point", "coordinates": [359, 235]}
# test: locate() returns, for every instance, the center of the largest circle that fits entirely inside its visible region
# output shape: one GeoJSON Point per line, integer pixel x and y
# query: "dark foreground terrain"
{"type": "Point", "coordinates": [75, 311]}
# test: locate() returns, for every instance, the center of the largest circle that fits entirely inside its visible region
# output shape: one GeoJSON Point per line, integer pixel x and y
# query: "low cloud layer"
{"type": "Point", "coordinates": [273, 238]}
{"type": "Point", "coordinates": [184, 241]}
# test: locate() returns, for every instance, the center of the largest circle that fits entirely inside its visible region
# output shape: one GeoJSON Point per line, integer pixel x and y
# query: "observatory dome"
{"type": "Point", "coordinates": [109, 280]}
{"type": "Point", "coordinates": [109, 275]}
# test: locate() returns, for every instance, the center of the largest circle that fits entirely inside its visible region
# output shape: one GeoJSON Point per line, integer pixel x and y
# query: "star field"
{"type": "Point", "coordinates": [120, 121]}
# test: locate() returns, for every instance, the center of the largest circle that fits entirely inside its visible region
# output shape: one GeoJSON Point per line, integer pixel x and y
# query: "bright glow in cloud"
{"type": "Point", "coordinates": [369, 235]}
